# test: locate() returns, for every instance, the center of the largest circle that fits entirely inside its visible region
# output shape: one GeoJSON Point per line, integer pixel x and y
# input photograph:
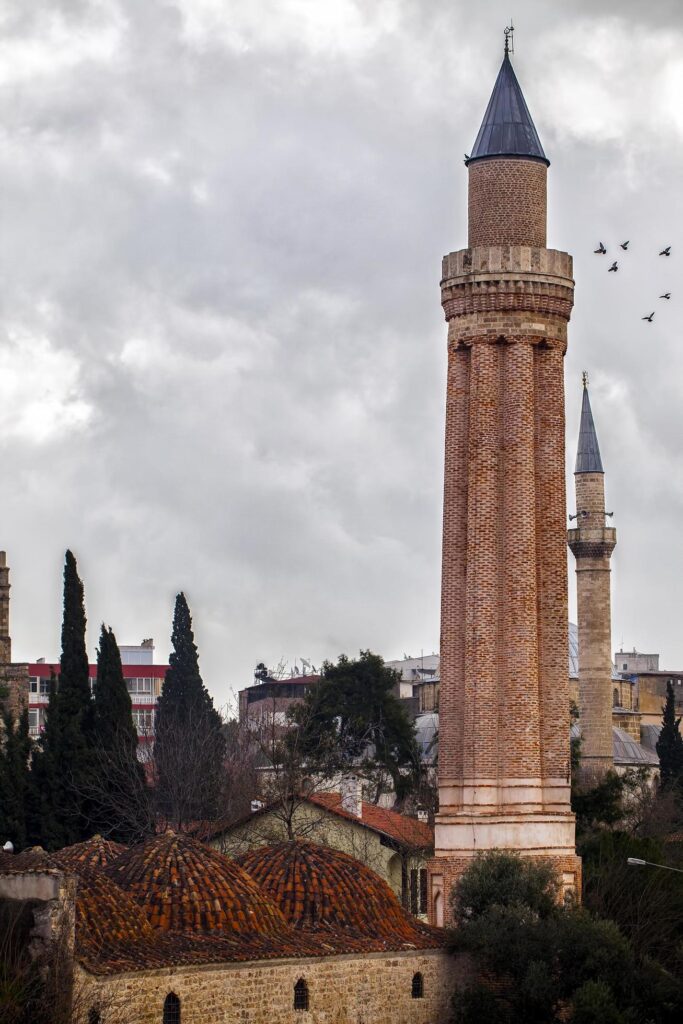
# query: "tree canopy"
{"type": "Point", "coordinates": [538, 961]}
{"type": "Point", "coordinates": [355, 708]}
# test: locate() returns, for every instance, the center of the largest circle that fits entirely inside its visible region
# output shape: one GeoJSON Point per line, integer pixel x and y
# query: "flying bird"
{"type": "Point", "coordinates": [600, 249]}
{"type": "Point", "coordinates": [666, 295]}
{"type": "Point", "coordinates": [666, 252]}
{"type": "Point", "coordinates": [613, 268]}
{"type": "Point", "coordinates": [648, 318]}
{"type": "Point", "coordinates": [624, 246]}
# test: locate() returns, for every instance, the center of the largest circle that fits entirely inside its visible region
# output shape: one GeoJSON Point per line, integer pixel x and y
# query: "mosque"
{"type": "Point", "coordinates": [172, 930]}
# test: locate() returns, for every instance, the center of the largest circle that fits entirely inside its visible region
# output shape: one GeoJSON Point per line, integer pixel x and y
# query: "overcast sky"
{"type": "Point", "coordinates": [222, 353]}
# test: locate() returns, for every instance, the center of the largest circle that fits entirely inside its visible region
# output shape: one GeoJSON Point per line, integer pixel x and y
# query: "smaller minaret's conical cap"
{"type": "Point", "coordinates": [507, 128]}
{"type": "Point", "coordinates": [588, 455]}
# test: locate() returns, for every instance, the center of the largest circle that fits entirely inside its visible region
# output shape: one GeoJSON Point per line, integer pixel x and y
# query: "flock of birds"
{"type": "Point", "coordinates": [602, 251]}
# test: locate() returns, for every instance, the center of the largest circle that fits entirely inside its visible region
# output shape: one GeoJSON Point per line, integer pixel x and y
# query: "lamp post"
{"type": "Point", "coordinates": [636, 862]}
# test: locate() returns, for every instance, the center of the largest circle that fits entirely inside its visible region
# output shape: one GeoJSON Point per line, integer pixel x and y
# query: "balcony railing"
{"type": "Point", "coordinates": [38, 698]}
{"type": "Point", "coordinates": [143, 698]}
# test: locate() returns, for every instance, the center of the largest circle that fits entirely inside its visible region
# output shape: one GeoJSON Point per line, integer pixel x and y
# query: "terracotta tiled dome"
{"type": "Point", "coordinates": [105, 914]}
{"type": "Point", "coordinates": [95, 852]}
{"type": "Point", "coordinates": [184, 886]}
{"type": "Point", "coordinates": [322, 890]}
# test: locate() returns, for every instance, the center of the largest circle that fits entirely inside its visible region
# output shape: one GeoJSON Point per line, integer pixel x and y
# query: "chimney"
{"type": "Point", "coordinates": [352, 795]}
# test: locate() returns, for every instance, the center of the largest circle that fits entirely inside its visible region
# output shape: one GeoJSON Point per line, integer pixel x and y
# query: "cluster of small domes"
{"type": "Point", "coordinates": [184, 886]}
{"type": "Point", "coordinates": [172, 899]}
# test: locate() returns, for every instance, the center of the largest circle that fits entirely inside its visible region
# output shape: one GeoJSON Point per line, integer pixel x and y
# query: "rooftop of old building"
{"type": "Point", "coordinates": [328, 893]}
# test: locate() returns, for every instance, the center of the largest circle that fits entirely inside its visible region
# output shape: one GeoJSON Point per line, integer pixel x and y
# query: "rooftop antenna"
{"type": "Point", "coordinates": [509, 38]}
{"type": "Point", "coordinates": [584, 379]}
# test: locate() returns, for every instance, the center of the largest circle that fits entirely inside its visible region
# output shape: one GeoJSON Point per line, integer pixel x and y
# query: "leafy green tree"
{"type": "Point", "coordinates": [355, 707]}
{"type": "Point", "coordinates": [537, 961]}
{"type": "Point", "coordinates": [189, 745]}
{"type": "Point", "coordinates": [670, 744]}
{"type": "Point", "coordinates": [14, 779]}
{"type": "Point", "coordinates": [118, 793]}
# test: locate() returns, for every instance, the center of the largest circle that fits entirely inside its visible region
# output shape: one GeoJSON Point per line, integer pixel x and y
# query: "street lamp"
{"type": "Point", "coordinates": [636, 862]}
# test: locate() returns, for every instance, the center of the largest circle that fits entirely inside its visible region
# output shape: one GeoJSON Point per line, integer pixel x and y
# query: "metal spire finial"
{"type": "Point", "coordinates": [584, 378]}
{"type": "Point", "coordinates": [509, 38]}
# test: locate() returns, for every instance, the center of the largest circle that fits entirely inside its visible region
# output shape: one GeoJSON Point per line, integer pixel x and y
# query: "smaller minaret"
{"type": "Point", "coordinates": [5, 642]}
{"type": "Point", "coordinates": [592, 544]}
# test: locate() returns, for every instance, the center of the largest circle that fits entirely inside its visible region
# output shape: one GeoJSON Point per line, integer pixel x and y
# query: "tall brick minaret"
{"type": "Point", "coordinates": [504, 698]}
{"type": "Point", "coordinates": [5, 641]}
{"type": "Point", "coordinates": [592, 544]}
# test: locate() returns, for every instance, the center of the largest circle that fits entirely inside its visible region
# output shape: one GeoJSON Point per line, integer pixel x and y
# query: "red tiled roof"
{"type": "Point", "coordinates": [332, 895]}
{"type": "Point", "coordinates": [95, 852]}
{"type": "Point", "coordinates": [184, 886]}
{"type": "Point", "coordinates": [404, 830]}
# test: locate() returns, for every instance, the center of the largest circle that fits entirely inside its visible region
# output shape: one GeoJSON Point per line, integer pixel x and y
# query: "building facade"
{"type": "Point", "coordinates": [504, 772]}
{"type": "Point", "coordinates": [13, 675]}
{"type": "Point", "coordinates": [143, 678]}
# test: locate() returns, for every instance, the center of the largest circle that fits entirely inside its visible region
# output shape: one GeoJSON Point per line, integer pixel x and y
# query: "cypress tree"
{"type": "Point", "coordinates": [119, 789]}
{"type": "Point", "coordinates": [670, 744]}
{"type": "Point", "coordinates": [113, 716]}
{"type": "Point", "coordinates": [69, 735]}
{"type": "Point", "coordinates": [14, 779]}
{"type": "Point", "coordinates": [189, 745]}
{"type": "Point", "coordinates": [46, 811]}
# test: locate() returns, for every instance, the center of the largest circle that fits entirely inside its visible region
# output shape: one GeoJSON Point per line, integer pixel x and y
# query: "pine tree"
{"type": "Point", "coordinates": [14, 779]}
{"type": "Point", "coordinates": [189, 746]}
{"type": "Point", "coordinates": [670, 744]}
{"type": "Point", "coordinates": [119, 789]}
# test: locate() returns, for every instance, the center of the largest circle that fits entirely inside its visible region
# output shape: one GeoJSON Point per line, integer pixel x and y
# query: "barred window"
{"type": "Point", "coordinates": [423, 890]}
{"type": "Point", "coordinates": [417, 988]}
{"type": "Point", "coordinates": [301, 995]}
{"type": "Point", "coordinates": [413, 891]}
{"type": "Point", "coordinates": [171, 1009]}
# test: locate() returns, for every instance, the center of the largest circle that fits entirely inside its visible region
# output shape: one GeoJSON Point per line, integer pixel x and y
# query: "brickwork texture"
{"type": "Point", "coordinates": [504, 699]}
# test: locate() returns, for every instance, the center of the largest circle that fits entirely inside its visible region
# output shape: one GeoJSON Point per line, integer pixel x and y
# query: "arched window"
{"type": "Point", "coordinates": [301, 995]}
{"type": "Point", "coordinates": [171, 1009]}
{"type": "Point", "coordinates": [417, 989]}
{"type": "Point", "coordinates": [615, 697]}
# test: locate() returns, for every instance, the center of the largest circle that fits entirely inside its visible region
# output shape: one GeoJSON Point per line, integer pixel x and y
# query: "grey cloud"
{"type": "Point", "coordinates": [241, 249]}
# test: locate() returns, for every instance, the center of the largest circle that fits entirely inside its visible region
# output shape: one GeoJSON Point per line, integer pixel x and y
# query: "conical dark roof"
{"type": "Point", "coordinates": [588, 455]}
{"type": "Point", "coordinates": [507, 128]}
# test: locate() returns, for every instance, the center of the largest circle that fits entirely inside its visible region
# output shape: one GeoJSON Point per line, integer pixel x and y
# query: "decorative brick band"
{"type": "Point", "coordinates": [507, 296]}
{"type": "Point", "coordinates": [592, 549]}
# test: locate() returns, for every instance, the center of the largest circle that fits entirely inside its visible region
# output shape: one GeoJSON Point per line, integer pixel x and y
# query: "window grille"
{"type": "Point", "coordinates": [423, 890]}
{"type": "Point", "coordinates": [171, 1009]}
{"type": "Point", "coordinates": [417, 988]}
{"type": "Point", "coordinates": [301, 995]}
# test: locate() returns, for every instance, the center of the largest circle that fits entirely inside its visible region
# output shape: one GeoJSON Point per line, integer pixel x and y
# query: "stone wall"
{"type": "Point", "coordinates": [371, 989]}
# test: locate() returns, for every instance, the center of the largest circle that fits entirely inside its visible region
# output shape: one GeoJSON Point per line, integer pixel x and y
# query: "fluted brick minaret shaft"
{"type": "Point", "coordinates": [5, 641]}
{"type": "Point", "coordinates": [592, 544]}
{"type": "Point", "coordinates": [504, 702]}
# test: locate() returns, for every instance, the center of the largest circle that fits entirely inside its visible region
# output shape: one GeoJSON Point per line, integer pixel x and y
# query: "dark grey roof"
{"type": "Point", "coordinates": [588, 455]}
{"type": "Point", "coordinates": [627, 752]}
{"type": "Point", "coordinates": [507, 128]}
